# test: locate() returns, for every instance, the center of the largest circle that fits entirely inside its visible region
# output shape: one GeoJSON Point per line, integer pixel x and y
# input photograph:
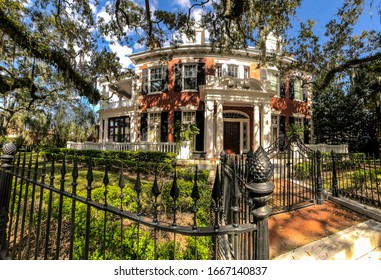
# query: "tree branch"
{"type": "Point", "coordinates": [52, 56]}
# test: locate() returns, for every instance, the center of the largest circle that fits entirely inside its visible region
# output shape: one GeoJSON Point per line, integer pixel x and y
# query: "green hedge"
{"type": "Point", "coordinates": [147, 161]}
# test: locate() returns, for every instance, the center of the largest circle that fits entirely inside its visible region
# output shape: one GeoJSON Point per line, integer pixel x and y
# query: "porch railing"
{"type": "Point", "coordinates": [71, 209]}
{"type": "Point", "coordinates": [166, 147]}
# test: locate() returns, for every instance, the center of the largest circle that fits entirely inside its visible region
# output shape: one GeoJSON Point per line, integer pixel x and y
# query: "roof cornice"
{"type": "Point", "coordinates": [195, 50]}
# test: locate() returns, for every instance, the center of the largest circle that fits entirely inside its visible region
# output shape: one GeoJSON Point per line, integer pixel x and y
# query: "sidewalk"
{"type": "Point", "coordinates": [362, 241]}
{"type": "Point", "coordinates": [290, 232]}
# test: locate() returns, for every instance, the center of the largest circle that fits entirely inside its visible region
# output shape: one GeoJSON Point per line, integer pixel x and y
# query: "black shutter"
{"type": "Point", "coordinates": [164, 127]}
{"type": "Point", "coordinates": [145, 81]}
{"type": "Point", "coordinates": [177, 119]}
{"type": "Point", "coordinates": [200, 74]}
{"type": "Point", "coordinates": [164, 81]}
{"type": "Point", "coordinates": [143, 126]}
{"type": "Point", "coordinates": [291, 90]}
{"type": "Point", "coordinates": [282, 89]}
{"type": "Point", "coordinates": [200, 115]}
{"type": "Point", "coordinates": [178, 77]}
{"type": "Point", "coordinates": [282, 125]}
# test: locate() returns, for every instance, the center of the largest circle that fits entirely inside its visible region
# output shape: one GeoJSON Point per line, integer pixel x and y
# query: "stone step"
{"type": "Point", "coordinates": [358, 242]}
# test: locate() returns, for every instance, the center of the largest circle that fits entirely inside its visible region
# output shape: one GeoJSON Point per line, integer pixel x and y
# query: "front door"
{"type": "Point", "coordinates": [232, 137]}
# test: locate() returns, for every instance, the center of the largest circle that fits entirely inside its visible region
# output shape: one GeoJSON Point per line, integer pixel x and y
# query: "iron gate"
{"type": "Point", "coordinates": [294, 174]}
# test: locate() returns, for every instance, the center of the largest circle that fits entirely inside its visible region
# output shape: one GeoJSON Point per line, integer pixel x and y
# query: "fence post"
{"type": "Point", "coordinates": [260, 190]}
{"type": "Point", "coordinates": [9, 149]}
{"type": "Point", "coordinates": [335, 188]}
{"type": "Point", "coordinates": [319, 182]}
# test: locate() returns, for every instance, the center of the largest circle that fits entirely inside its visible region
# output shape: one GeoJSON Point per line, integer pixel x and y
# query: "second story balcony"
{"type": "Point", "coordinates": [105, 105]}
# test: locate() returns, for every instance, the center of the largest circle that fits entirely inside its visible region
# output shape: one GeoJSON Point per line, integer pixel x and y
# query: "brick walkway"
{"type": "Point", "coordinates": [300, 227]}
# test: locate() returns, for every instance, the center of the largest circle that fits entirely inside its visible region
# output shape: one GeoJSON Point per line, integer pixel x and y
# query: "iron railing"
{"type": "Point", "coordinates": [354, 176]}
{"type": "Point", "coordinates": [66, 209]}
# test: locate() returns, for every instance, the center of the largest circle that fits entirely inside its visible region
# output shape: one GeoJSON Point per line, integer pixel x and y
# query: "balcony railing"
{"type": "Point", "coordinates": [117, 104]}
{"type": "Point", "coordinates": [167, 147]}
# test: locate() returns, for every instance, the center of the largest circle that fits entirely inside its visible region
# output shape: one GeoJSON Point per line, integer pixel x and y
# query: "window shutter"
{"type": "Point", "coordinates": [200, 115]}
{"type": "Point", "coordinates": [178, 77]}
{"type": "Point", "coordinates": [164, 81]}
{"type": "Point", "coordinates": [200, 74]}
{"type": "Point", "coordinates": [144, 81]}
{"type": "Point", "coordinates": [282, 89]}
{"type": "Point", "coordinates": [263, 75]}
{"type": "Point", "coordinates": [291, 90]}
{"type": "Point", "coordinates": [143, 126]}
{"type": "Point", "coordinates": [177, 118]}
{"type": "Point", "coordinates": [305, 93]}
{"type": "Point", "coordinates": [164, 127]}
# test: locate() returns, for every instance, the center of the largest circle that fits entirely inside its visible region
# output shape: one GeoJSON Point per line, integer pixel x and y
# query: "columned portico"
{"type": "Point", "coordinates": [234, 94]}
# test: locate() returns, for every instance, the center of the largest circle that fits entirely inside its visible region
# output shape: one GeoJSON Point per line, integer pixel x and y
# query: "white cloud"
{"type": "Point", "coordinates": [123, 53]}
{"type": "Point", "coordinates": [184, 4]}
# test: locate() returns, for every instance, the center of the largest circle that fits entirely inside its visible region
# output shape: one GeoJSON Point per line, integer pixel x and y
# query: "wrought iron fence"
{"type": "Point", "coordinates": [354, 176]}
{"type": "Point", "coordinates": [66, 209]}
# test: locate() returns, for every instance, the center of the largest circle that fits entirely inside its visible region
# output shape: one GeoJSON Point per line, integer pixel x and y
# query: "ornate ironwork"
{"type": "Point", "coordinates": [260, 168]}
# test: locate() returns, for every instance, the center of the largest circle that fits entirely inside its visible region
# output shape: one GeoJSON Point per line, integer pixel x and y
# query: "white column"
{"type": "Point", "coordinates": [134, 127]}
{"type": "Point", "coordinates": [266, 125]}
{"type": "Point", "coordinates": [219, 129]}
{"type": "Point", "coordinates": [101, 129]}
{"type": "Point", "coordinates": [256, 135]}
{"type": "Point", "coordinates": [106, 130]}
{"type": "Point", "coordinates": [209, 129]}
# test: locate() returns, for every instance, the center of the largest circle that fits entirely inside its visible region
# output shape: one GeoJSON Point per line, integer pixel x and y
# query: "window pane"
{"type": "Point", "coordinates": [233, 71]}
{"type": "Point", "coordinates": [190, 83]}
{"type": "Point", "coordinates": [156, 75]}
{"type": "Point", "coordinates": [219, 71]}
{"type": "Point", "coordinates": [190, 71]}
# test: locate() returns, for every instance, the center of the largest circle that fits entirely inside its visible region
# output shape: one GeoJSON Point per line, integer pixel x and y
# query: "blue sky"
{"type": "Point", "coordinates": [320, 11]}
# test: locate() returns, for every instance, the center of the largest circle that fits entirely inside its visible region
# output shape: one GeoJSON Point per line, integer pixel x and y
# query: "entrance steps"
{"type": "Point", "coordinates": [359, 242]}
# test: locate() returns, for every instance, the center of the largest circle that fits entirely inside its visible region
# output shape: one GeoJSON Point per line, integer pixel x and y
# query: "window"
{"type": "Point", "coordinates": [219, 71]}
{"type": "Point", "coordinates": [154, 80]}
{"type": "Point", "coordinates": [297, 90]}
{"type": "Point", "coordinates": [189, 117]}
{"type": "Point", "coordinates": [271, 79]}
{"type": "Point", "coordinates": [156, 77]}
{"type": "Point", "coordinates": [299, 122]}
{"type": "Point", "coordinates": [154, 127]}
{"type": "Point", "coordinates": [189, 76]}
{"type": "Point", "coordinates": [119, 129]}
{"type": "Point", "coordinates": [233, 71]}
{"type": "Point", "coordinates": [246, 72]}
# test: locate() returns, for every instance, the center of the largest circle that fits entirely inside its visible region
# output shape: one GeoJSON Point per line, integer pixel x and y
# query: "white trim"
{"type": "Point", "coordinates": [240, 121]}
{"type": "Point", "coordinates": [154, 109]}
{"type": "Point", "coordinates": [188, 108]}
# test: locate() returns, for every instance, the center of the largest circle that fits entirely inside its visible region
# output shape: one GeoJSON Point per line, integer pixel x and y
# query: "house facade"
{"type": "Point", "coordinates": [236, 105]}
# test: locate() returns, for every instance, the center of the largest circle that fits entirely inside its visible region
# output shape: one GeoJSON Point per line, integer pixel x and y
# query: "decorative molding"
{"type": "Point", "coordinates": [154, 109]}
{"type": "Point", "coordinates": [188, 108]}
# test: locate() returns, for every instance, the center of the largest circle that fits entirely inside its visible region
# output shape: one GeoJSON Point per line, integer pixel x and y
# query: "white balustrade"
{"type": "Point", "coordinates": [166, 147]}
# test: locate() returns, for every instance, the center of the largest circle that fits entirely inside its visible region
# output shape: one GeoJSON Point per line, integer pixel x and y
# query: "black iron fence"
{"type": "Point", "coordinates": [354, 176]}
{"type": "Point", "coordinates": [56, 208]}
